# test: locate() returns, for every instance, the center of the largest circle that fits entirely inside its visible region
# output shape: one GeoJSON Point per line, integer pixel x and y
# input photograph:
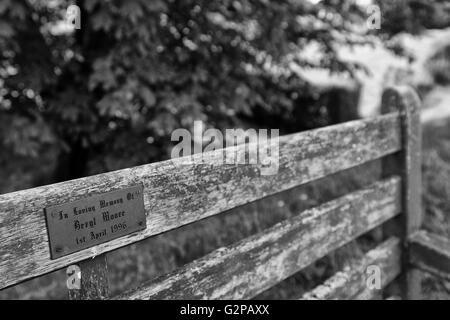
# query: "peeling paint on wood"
{"type": "Point", "coordinates": [350, 283]}
{"type": "Point", "coordinates": [176, 194]}
{"type": "Point", "coordinates": [245, 269]}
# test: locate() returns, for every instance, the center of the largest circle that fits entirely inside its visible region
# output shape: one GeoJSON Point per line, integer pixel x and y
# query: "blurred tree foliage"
{"type": "Point", "coordinates": [413, 16]}
{"type": "Point", "coordinates": [109, 95]}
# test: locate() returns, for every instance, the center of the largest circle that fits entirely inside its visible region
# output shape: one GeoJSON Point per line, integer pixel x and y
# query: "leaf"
{"type": "Point", "coordinates": [155, 5]}
{"type": "Point", "coordinates": [4, 5]}
{"type": "Point", "coordinates": [6, 31]}
{"type": "Point", "coordinates": [132, 10]}
{"type": "Point", "coordinates": [103, 74]}
{"type": "Point", "coordinates": [148, 96]}
{"type": "Point", "coordinates": [102, 20]}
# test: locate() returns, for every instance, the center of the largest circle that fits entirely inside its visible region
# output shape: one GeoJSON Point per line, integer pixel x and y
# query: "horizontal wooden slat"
{"type": "Point", "coordinates": [176, 194]}
{"type": "Point", "coordinates": [350, 283]}
{"type": "Point", "coordinates": [247, 268]}
{"type": "Point", "coordinates": [430, 253]}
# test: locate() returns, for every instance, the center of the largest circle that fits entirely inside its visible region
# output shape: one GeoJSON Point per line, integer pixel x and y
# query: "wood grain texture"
{"type": "Point", "coordinates": [350, 283]}
{"type": "Point", "coordinates": [177, 193]}
{"type": "Point", "coordinates": [431, 253]}
{"type": "Point", "coordinates": [405, 100]}
{"type": "Point", "coordinates": [245, 269]}
{"type": "Point", "coordinates": [94, 280]}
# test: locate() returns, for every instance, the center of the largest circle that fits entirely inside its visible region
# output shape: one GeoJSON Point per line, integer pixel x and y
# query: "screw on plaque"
{"type": "Point", "coordinates": [58, 249]}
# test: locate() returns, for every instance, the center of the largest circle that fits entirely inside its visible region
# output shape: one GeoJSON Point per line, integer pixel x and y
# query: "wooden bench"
{"type": "Point", "coordinates": [176, 195]}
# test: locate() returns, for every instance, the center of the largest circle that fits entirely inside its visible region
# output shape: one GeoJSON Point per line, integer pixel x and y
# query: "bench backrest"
{"type": "Point", "coordinates": [177, 194]}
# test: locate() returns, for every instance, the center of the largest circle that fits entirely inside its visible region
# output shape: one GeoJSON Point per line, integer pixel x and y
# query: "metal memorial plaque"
{"type": "Point", "coordinates": [84, 223]}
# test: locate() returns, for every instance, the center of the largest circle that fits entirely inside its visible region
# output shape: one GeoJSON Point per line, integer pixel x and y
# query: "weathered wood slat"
{"type": "Point", "coordinates": [245, 269]}
{"type": "Point", "coordinates": [430, 253]}
{"type": "Point", "coordinates": [176, 194]}
{"type": "Point", "coordinates": [350, 283]}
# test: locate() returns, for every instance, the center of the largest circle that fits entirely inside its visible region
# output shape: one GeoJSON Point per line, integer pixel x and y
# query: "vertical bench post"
{"type": "Point", "coordinates": [403, 99]}
{"type": "Point", "coordinates": [94, 280]}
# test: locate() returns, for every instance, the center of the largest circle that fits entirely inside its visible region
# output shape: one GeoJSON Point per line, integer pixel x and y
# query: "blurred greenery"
{"type": "Point", "coordinates": [413, 16]}
{"type": "Point", "coordinates": [109, 95]}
